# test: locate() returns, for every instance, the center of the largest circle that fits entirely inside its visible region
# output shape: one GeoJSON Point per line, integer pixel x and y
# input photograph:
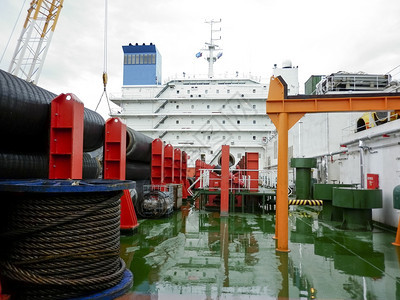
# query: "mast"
{"type": "Point", "coordinates": [211, 47]}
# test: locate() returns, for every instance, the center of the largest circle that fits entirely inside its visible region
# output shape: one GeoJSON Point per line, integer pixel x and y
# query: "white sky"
{"type": "Point", "coordinates": [320, 37]}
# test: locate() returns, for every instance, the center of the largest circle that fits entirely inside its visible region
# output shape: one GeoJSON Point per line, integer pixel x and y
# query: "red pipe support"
{"type": "Point", "coordinates": [66, 137]}
{"type": "Point", "coordinates": [157, 162]}
{"type": "Point", "coordinates": [114, 167]}
{"type": "Point", "coordinates": [225, 180]}
{"type": "Point", "coordinates": [168, 164]}
{"type": "Point", "coordinates": [177, 166]}
{"type": "Point", "coordinates": [114, 149]}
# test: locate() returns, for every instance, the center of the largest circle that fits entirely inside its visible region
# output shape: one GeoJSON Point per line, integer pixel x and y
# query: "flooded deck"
{"type": "Point", "coordinates": [198, 255]}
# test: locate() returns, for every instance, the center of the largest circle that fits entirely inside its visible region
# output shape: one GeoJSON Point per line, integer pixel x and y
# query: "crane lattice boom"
{"type": "Point", "coordinates": [33, 43]}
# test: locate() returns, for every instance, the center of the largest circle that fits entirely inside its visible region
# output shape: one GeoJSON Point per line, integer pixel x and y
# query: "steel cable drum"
{"type": "Point", "coordinates": [60, 238]}
{"type": "Point", "coordinates": [24, 166]}
{"type": "Point", "coordinates": [25, 117]}
{"type": "Point", "coordinates": [138, 146]}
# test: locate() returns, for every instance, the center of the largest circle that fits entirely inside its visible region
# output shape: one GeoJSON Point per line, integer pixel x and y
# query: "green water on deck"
{"type": "Point", "coordinates": [203, 256]}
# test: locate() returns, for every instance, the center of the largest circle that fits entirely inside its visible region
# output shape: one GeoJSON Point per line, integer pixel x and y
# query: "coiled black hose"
{"type": "Point", "coordinates": [136, 170]}
{"type": "Point", "coordinates": [25, 118]}
{"type": "Point", "coordinates": [58, 246]}
{"type": "Point", "coordinates": [25, 166]}
{"type": "Point", "coordinates": [138, 146]}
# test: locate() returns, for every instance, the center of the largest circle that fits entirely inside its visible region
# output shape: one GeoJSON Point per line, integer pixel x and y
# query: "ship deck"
{"type": "Point", "coordinates": [200, 255]}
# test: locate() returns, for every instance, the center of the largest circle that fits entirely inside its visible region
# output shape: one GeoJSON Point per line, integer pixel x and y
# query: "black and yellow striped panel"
{"type": "Point", "coordinates": [306, 202]}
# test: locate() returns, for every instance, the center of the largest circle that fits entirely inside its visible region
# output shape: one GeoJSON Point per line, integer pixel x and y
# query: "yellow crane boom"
{"type": "Point", "coordinates": [35, 38]}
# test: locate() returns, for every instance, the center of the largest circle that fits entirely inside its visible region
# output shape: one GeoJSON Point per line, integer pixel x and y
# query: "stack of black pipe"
{"type": "Point", "coordinates": [138, 155]}
{"type": "Point", "coordinates": [24, 131]}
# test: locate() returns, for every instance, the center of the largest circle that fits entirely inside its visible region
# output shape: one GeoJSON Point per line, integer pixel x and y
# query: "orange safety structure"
{"type": "Point", "coordinates": [397, 240]}
{"type": "Point", "coordinates": [66, 137]}
{"type": "Point", "coordinates": [114, 167]}
{"type": "Point", "coordinates": [285, 111]}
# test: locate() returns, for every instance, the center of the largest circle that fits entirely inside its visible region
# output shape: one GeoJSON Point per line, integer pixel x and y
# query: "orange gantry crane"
{"type": "Point", "coordinates": [284, 111]}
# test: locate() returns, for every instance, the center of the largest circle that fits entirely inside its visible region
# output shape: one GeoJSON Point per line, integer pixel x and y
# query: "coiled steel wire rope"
{"type": "Point", "coordinates": [60, 246]}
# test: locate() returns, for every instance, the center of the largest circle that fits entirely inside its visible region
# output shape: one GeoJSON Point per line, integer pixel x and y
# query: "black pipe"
{"type": "Point", "coordinates": [136, 170]}
{"type": "Point", "coordinates": [138, 146]}
{"type": "Point", "coordinates": [25, 166]}
{"type": "Point", "coordinates": [25, 118]}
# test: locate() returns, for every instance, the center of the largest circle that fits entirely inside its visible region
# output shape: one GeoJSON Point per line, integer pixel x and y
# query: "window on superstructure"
{"type": "Point", "coordinates": [223, 137]}
{"type": "Point", "coordinates": [208, 121]}
{"type": "Point", "coordinates": [208, 137]}
{"type": "Point", "coordinates": [254, 106]}
{"type": "Point", "coordinates": [129, 59]}
{"type": "Point", "coordinates": [208, 106]}
{"type": "Point", "coordinates": [192, 122]}
{"type": "Point", "coordinates": [177, 91]}
{"type": "Point", "coordinates": [188, 91]}
{"type": "Point", "coordinates": [177, 137]}
{"type": "Point", "coordinates": [145, 59]}
{"type": "Point", "coordinates": [238, 121]}
{"type": "Point", "coordinates": [206, 91]}
{"type": "Point", "coordinates": [125, 59]}
{"type": "Point", "coordinates": [141, 59]}
{"type": "Point", "coordinates": [223, 121]}
{"type": "Point", "coordinates": [177, 107]}
{"type": "Point", "coordinates": [223, 106]}
{"type": "Point", "coordinates": [228, 91]}
{"type": "Point", "coordinates": [238, 106]}
{"type": "Point", "coordinates": [153, 59]}
{"type": "Point", "coordinates": [254, 91]}
{"type": "Point", "coordinates": [177, 121]}
{"type": "Point", "coordinates": [254, 121]}
{"type": "Point", "coordinates": [217, 91]}
{"type": "Point", "coordinates": [192, 106]}
{"type": "Point", "coordinates": [254, 137]}
{"type": "Point", "coordinates": [211, 152]}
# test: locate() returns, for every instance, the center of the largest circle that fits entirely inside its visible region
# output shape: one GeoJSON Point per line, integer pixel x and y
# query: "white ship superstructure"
{"type": "Point", "coordinates": [197, 115]}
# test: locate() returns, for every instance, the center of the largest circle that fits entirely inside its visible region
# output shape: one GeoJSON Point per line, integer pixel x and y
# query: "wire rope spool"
{"type": "Point", "coordinates": [60, 237]}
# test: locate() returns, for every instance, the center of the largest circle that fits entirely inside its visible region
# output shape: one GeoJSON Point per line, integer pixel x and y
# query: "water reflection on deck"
{"type": "Point", "coordinates": [197, 253]}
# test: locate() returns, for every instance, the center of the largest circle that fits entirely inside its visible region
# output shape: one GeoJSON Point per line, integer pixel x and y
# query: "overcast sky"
{"type": "Point", "coordinates": [320, 37]}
